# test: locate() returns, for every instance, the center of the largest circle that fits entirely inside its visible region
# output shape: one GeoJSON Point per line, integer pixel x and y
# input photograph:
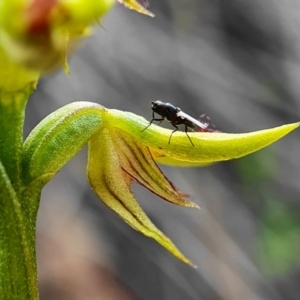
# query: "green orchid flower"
{"type": "Point", "coordinates": [121, 153]}
{"type": "Point", "coordinates": [35, 37]}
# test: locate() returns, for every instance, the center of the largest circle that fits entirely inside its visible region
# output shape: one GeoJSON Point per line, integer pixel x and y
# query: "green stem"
{"type": "Point", "coordinates": [12, 110]}
{"type": "Point", "coordinates": [18, 210]}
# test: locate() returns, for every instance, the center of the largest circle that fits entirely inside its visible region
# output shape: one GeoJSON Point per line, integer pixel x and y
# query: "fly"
{"type": "Point", "coordinates": [177, 117]}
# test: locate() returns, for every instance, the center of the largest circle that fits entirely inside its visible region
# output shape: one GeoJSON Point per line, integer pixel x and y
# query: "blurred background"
{"type": "Point", "coordinates": [236, 61]}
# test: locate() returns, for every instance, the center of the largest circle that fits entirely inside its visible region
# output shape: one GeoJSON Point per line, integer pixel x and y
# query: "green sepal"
{"type": "Point", "coordinates": [208, 147]}
{"type": "Point", "coordinates": [58, 138]}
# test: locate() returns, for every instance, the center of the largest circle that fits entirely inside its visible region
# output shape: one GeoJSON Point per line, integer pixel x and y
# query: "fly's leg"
{"type": "Point", "coordinates": [188, 135]}
{"type": "Point", "coordinates": [176, 128]}
{"type": "Point", "coordinates": [153, 119]}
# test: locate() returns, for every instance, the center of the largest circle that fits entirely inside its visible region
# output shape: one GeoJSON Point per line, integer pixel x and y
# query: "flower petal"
{"type": "Point", "coordinates": [112, 185]}
{"type": "Point", "coordinates": [138, 163]}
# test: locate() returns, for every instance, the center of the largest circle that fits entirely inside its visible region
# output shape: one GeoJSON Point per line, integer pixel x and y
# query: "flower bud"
{"type": "Point", "coordinates": [41, 33]}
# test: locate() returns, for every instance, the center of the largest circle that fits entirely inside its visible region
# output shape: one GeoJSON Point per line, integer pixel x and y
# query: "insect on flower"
{"type": "Point", "coordinates": [177, 117]}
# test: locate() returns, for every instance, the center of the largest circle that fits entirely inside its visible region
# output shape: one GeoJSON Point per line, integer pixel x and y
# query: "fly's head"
{"type": "Point", "coordinates": [159, 107]}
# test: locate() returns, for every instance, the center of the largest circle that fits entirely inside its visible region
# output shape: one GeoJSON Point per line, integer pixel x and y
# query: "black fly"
{"type": "Point", "coordinates": [177, 117]}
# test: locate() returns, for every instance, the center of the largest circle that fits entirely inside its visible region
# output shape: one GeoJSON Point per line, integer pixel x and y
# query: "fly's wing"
{"type": "Point", "coordinates": [199, 124]}
{"type": "Point", "coordinates": [210, 127]}
{"type": "Point", "coordinates": [144, 3]}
